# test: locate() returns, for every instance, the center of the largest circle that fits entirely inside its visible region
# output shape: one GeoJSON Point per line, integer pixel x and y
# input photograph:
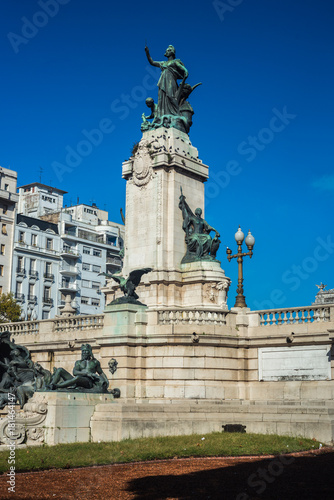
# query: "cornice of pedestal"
{"type": "Point", "coordinates": [164, 148]}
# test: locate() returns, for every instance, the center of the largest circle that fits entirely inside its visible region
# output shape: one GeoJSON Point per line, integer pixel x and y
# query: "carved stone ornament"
{"type": "Point", "coordinates": [217, 292]}
{"type": "Point", "coordinates": [27, 427]}
{"type": "Point", "coordinates": [211, 292]}
{"type": "Point", "coordinates": [142, 165]}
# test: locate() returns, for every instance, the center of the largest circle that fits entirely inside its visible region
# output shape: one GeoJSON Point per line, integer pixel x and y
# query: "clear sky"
{"type": "Point", "coordinates": [263, 117]}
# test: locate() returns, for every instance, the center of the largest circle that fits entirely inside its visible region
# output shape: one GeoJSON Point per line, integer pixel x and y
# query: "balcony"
{"type": "Point", "coordinates": [71, 231]}
{"type": "Point", "coordinates": [49, 276]}
{"type": "Point", "coordinates": [66, 286]}
{"type": "Point", "coordinates": [19, 297]}
{"type": "Point", "coordinates": [69, 270]}
{"type": "Point", "coordinates": [36, 249]}
{"type": "Point", "coordinates": [32, 299]}
{"type": "Point", "coordinates": [47, 301]}
{"type": "Point", "coordinates": [20, 271]}
{"type": "Point", "coordinates": [69, 252]}
{"type": "Point", "coordinates": [113, 261]}
{"type": "Point", "coordinates": [33, 274]}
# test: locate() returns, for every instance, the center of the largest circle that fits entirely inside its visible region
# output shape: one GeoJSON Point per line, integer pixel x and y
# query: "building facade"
{"type": "Point", "coordinates": [85, 244]}
{"type": "Point", "coordinates": [38, 199]}
{"type": "Point", "coordinates": [8, 204]}
{"type": "Point", "coordinates": [36, 266]}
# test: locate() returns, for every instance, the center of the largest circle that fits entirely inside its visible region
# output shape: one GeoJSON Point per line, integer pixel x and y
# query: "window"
{"type": "Point", "coordinates": [2, 250]}
{"type": "Point", "coordinates": [21, 237]}
{"type": "Point", "coordinates": [86, 283]}
{"type": "Point", "coordinates": [45, 314]}
{"type": "Point", "coordinates": [20, 263]}
{"type": "Point", "coordinates": [32, 267]}
{"type": "Point", "coordinates": [48, 198]}
{"type": "Point", "coordinates": [95, 302]}
{"type": "Point", "coordinates": [5, 209]}
{"type": "Point", "coordinates": [18, 288]}
{"type": "Point", "coordinates": [97, 253]}
{"type": "Point", "coordinates": [86, 250]}
{"type": "Point", "coordinates": [4, 229]}
{"type": "Point", "coordinates": [31, 291]}
{"type": "Point", "coordinates": [26, 190]}
{"type": "Point", "coordinates": [1, 270]}
{"type": "Point", "coordinates": [6, 187]}
{"type": "Point", "coordinates": [49, 243]}
{"type": "Point", "coordinates": [96, 285]}
{"type": "Point", "coordinates": [85, 266]}
{"type": "Point", "coordinates": [47, 293]}
{"type": "Point", "coordinates": [48, 270]}
{"type": "Point", "coordinates": [84, 300]}
{"type": "Point", "coordinates": [96, 269]}
{"type": "Point", "coordinates": [34, 240]}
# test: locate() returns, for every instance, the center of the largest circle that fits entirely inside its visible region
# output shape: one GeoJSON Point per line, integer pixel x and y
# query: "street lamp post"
{"type": "Point", "coordinates": [250, 240]}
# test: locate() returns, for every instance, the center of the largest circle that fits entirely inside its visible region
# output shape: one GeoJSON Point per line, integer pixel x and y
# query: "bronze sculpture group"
{"type": "Point", "coordinates": [20, 377]}
{"type": "Point", "coordinates": [172, 109]}
{"type": "Point", "coordinates": [200, 245]}
{"type": "Point", "coordinates": [88, 375]}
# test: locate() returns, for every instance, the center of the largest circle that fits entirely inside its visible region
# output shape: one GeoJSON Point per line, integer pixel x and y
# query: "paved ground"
{"type": "Point", "coordinates": [300, 476]}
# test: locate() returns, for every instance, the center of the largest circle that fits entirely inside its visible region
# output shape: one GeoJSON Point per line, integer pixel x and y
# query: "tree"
{"type": "Point", "coordinates": [10, 310]}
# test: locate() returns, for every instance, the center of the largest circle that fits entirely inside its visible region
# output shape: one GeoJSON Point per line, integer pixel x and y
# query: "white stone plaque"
{"type": "Point", "coordinates": [295, 363]}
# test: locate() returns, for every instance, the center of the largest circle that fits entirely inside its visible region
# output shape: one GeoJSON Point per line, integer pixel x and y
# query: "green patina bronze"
{"type": "Point", "coordinates": [172, 109]}
{"type": "Point", "coordinates": [88, 375]}
{"type": "Point", "coordinates": [20, 377]}
{"type": "Point", "coordinates": [200, 245]}
{"type": "Point", "coordinates": [128, 286]}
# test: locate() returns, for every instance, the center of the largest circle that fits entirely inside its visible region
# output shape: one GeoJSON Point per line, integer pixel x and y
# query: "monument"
{"type": "Point", "coordinates": [161, 231]}
{"type": "Point", "coordinates": [186, 363]}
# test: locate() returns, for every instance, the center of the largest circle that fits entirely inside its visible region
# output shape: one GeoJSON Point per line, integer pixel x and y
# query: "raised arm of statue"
{"type": "Point", "coordinates": [150, 60]}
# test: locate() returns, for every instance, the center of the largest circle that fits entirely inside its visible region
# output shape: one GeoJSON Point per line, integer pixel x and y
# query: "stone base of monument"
{"type": "Point", "coordinates": [68, 415]}
{"type": "Point", "coordinates": [54, 418]}
{"type": "Point", "coordinates": [134, 419]}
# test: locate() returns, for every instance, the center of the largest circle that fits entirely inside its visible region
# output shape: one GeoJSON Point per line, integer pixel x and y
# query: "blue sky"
{"type": "Point", "coordinates": [263, 117]}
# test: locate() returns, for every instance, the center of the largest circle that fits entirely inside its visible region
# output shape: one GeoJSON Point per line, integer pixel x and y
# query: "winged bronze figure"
{"type": "Point", "coordinates": [129, 284]}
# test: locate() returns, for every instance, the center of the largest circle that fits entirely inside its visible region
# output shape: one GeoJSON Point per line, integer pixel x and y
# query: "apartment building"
{"type": "Point", "coordinates": [36, 266]}
{"type": "Point", "coordinates": [8, 203]}
{"type": "Point", "coordinates": [84, 245]}
{"type": "Point", "coordinates": [38, 199]}
{"type": "Point", "coordinates": [90, 246]}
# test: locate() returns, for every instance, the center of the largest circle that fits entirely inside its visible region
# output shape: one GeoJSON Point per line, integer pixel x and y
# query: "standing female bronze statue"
{"type": "Point", "coordinates": [171, 71]}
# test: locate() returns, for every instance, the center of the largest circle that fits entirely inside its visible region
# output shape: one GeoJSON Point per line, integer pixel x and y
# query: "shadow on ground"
{"type": "Point", "coordinates": [280, 478]}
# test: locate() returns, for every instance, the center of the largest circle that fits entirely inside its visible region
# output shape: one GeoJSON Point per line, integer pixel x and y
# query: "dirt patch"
{"type": "Point", "coordinates": [306, 475]}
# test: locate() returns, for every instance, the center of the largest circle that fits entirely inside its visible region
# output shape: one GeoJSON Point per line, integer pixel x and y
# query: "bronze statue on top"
{"type": "Point", "coordinates": [172, 109]}
{"type": "Point", "coordinates": [200, 245]}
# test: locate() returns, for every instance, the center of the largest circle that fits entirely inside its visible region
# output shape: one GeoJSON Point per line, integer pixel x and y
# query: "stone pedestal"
{"type": "Point", "coordinates": [164, 162]}
{"type": "Point", "coordinates": [69, 415]}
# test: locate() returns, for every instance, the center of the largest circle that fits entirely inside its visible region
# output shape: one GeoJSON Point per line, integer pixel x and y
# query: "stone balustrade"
{"type": "Point", "coordinates": [21, 328]}
{"type": "Point", "coordinates": [79, 323]}
{"type": "Point", "coordinates": [263, 318]}
{"type": "Point", "coordinates": [72, 323]}
{"type": "Point", "coordinates": [191, 316]}
{"type": "Point", "coordinates": [293, 315]}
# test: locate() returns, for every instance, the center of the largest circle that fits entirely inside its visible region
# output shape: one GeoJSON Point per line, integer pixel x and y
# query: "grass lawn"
{"type": "Point", "coordinates": [133, 450]}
